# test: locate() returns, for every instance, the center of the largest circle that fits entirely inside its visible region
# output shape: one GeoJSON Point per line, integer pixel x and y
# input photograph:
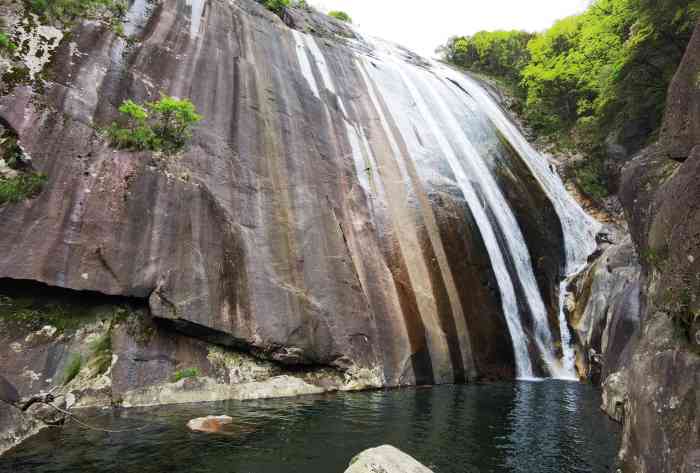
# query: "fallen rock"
{"type": "Point", "coordinates": [209, 424]}
{"type": "Point", "coordinates": [385, 459]}
{"type": "Point", "coordinates": [615, 396]}
{"type": "Point", "coordinates": [16, 426]}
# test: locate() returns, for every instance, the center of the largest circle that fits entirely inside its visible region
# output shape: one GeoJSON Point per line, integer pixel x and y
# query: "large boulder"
{"type": "Point", "coordinates": [385, 459]}
{"type": "Point", "coordinates": [606, 311]}
{"type": "Point", "coordinates": [662, 376]}
{"type": "Point", "coordinates": [681, 127]}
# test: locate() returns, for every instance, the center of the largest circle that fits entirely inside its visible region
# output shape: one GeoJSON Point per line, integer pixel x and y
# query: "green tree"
{"type": "Point", "coordinates": [276, 6]}
{"type": "Point", "coordinates": [163, 125]}
{"type": "Point", "coordinates": [604, 71]}
{"type": "Point", "coordinates": [172, 120]}
{"type": "Point", "coordinates": [340, 15]}
{"type": "Point", "coordinates": [502, 54]}
{"type": "Point", "coordinates": [67, 10]}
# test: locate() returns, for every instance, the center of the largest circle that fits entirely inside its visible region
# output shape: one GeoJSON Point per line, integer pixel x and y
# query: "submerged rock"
{"type": "Point", "coordinates": [385, 459]}
{"type": "Point", "coordinates": [209, 424]}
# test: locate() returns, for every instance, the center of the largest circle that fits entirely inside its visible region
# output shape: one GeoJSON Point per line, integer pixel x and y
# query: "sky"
{"type": "Point", "coordinates": [424, 25]}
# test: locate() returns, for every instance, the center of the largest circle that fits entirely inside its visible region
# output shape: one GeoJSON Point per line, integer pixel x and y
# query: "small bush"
{"type": "Point", "coordinates": [11, 151]}
{"type": "Point", "coordinates": [6, 44]}
{"type": "Point", "coordinates": [75, 363]}
{"type": "Point", "coordinates": [163, 125]}
{"type": "Point", "coordinates": [591, 178]}
{"type": "Point", "coordinates": [276, 6]}
{"type": "Point", "coordinates": [340, 15]}
{"type": "Point", "coordinates": [23, 186]}
{"type": "Point", "coordinates": [185, 373]}
{"type": "Point", "coordinates": [66, 10]}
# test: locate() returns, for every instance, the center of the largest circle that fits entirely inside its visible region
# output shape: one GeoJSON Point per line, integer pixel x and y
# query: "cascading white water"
{"type": "Point", "coordinates": [423, 98]}
{"type": "Point", "coordinates": [579, 229]}
{"type": "Point", "coordinates": [462, 174]}
{"type": "Point", "coordinates": [196, 16]}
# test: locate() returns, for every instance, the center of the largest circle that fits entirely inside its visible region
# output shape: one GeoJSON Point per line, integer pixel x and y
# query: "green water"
{"type": "Point", "coordinates": [516, 427]}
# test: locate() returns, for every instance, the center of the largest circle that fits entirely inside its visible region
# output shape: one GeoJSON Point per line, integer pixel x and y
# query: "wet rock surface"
{"type": "Point", "coordinates": [605, 314]}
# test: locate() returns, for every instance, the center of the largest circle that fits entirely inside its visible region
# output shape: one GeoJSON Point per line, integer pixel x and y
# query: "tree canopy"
{"type": "Point", "coordinates": [604, 71]}
{"type": "Point", "coordinates": [595, 71]}
{"type": "Point", "coordinates": [340, 15]}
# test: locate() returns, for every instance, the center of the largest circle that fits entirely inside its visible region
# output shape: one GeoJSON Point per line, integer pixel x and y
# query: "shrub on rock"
{"type": "Point", "coordinates": [163, 125]}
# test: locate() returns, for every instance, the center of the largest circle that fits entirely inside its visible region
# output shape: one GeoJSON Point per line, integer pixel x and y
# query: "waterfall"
{"type": "Point", "coordinates": [423, 97]}
{"type": "Point", "coordinates": [578, 227]}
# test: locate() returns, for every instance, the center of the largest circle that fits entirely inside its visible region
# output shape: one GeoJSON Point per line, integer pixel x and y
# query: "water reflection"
{"type": "Point", "coordinates": [522, 427]}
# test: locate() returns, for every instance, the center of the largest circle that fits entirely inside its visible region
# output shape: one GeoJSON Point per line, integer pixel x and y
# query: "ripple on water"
{"type": "Point", "coordinates": [519, 427]}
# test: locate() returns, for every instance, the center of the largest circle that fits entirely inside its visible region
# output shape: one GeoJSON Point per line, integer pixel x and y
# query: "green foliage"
{"type": "Point", "coordinates": [607, 69]}
{"type": "Point", "coordinates": [6, 44]}
{"type": "Point", "coordinates": [21, 187]}
{"type": "Point", "coordinates": [340, 15]}
{"type": "Point", "coordinates": [10, 149]}
{"type": "Point", "coordinates": [163, 125]}
{"type": "Point", "coordinates": [102, 352]}
{"type": "Point", "coordinates": [14, 76]}
{"type": "Point", "coordinates": [173, 119]}
{"type": "Point", "coordinates": [591, 178]}
{"type": "Point", "coordinates": [185, 373]}
{"type": "Point", "coordinates": [68, 10]}
{"type": "Point", "coordinates": [72, 368]}
{"type": "Point", "coordinates": [33, 306]}
{"type": "Point", "coordinates": [502, 54]}
{"type": "Point", "coordinates": [276, 6]}
{"type": "Point", "coordinates": [301, 4]}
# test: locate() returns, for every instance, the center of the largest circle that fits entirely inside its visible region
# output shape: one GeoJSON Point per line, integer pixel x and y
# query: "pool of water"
{"type": "Point", "coordinates": [524, 427]}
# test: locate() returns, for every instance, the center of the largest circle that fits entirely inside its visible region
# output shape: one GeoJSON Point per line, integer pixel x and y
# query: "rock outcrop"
{"type": "Point", "coordinates": [324, 216]}
{"type": "Point", "coordinates": [90, 350]}
{"type": "Point", "coordinates": [385, 459]}
{"type": "Point", "coordinates": [655, 389]}
{"type": "Point", "coordinates": [604, 310]}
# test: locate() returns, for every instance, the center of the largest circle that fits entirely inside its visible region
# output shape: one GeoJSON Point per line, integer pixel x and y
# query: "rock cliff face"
{"type": "Point", "coordinates": [605, 314]}
{"type": "Point", "coordinates": [652, 383]}
{"type": "Point", "coordinates": [344, 205]}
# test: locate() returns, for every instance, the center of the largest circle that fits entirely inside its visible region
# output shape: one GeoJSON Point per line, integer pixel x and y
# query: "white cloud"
{"type": "Point", "coordinates": [424, 25]}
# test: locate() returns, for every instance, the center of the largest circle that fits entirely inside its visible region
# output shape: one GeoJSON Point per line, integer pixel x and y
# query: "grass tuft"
{"type": "Point", "coordinates": [75, 363]}
{"type": "Point", "coordinates": [21, 187]}
{"type": "Point", "coordinates": [185, 373]}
